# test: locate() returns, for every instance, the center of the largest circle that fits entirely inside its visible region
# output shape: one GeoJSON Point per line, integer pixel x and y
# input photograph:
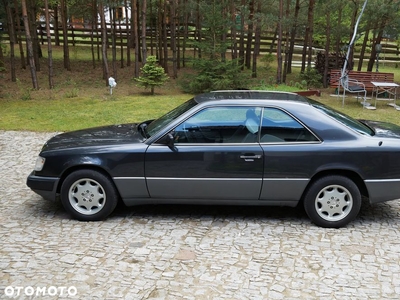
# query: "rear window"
{"type": "Point", "coordinates": [343, 118]}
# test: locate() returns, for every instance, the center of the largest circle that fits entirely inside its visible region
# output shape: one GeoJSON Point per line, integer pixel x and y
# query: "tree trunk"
{"type": "Point", "coordinates": [93, 30]}
{"type": "Point", "coordinates": [278, 48]}
{"type": "Point", "coordinates": [363, 48]}
{"type": "Point", "coordinates": [165, 38]}
{"type": "Point", "coordinates": [338, 37]}
{"type": "Point", "coordinates": [19, 29]}
{"type": "Point", "coordinates": [308, 37]}
{"type": "Point", "coordinates": [144, 25]}
{"type": "Point", "coordinates": [185, 31]}
{"type": "Point", "coordinates": [49, 48]}
{"type": "Point", "coordinates": [29, 46]}
{"type": "Point", "coordinates": [224, 16]}
{"type": "Point", "coordinates": [198, 29]}
{"type": "Point", "coordinates": [11, 33]}
{"type": "Point", "coordinates": [271, 47]}
{"type": "Point", "coordinates": [352, 26]}
{"type": "Point", "coordinates": [159, 34]}
{"type": "Point", "coordinates": [37, 51]}
{"type": "Point", "coordinates": [250, 29]}
{"type": "Point", "coordinates": [178, 29]}
{"type": "Point", "coordinates": [293, 36]}
{"type": "Point", "coordinates": [173, 39]}
{"type": "Point", "coordinates": [151, 26]}
{"type": "Point", "coordinates": [327, 47]}
{"type": "Point", "coordinates": [121, 40]}
{"type": "Point", "coordinates": [56, 26]}
{"type": "Point", "coordinates": [311, 33]}
{"type": "Point", "coordinates": [106, 72]}
{"type": "Point", "coordinates": [67, 63]}
{"type": "Point", "coordinates": [136, 36]}
{"type": "Point", "coordinates": [234, 49]}
{"type": "Point", "coordinates": [377, 40]}
{"type": "Point", "coordinates": [113, 42]}
{"type": "Point", "coordinates": [287, 34]}
{"type": "Point", "coordinates": [257, 40]}
{"type": "Point", "coordinates": [241, 41]}
{"type": "Point", "coordinates": [128, 36]}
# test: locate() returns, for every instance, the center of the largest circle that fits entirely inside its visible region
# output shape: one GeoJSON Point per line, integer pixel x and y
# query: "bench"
{"type": "Point", "coordinates": [364, 77]}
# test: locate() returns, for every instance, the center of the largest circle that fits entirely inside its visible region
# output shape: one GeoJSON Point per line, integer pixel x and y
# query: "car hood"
{"type": "Point", "coordinates": [99, 136]}
{"type": "Point", "coordinates": [383, 129]}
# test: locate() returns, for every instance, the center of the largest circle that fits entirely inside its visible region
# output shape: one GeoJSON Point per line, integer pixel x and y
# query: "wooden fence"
{"type": "Point", "coordinates": [79, 35]}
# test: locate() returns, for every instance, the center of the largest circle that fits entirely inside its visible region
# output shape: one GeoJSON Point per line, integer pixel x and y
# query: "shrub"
{"type": "Point", "coordinates": [152, 75]}
{"type": "Point", "coordinates": [311, 78]}
{"type": "Point", "coordinates": [213, 75]}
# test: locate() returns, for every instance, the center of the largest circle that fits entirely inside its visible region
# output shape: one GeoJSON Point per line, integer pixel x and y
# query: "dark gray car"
{"type": "Point", "coordinates": [227, 147]}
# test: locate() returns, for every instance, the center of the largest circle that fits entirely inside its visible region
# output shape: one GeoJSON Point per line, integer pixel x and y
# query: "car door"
{"type": "Point", "coordinates": [216, 155]}
{"type": "Point", "coordinates": [288, 160]}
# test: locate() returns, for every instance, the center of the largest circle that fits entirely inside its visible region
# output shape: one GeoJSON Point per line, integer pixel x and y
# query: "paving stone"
{"type": "Point", "coordinates": [171, 252]}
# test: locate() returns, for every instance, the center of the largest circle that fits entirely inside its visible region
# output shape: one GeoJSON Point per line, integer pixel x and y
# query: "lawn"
{"type": "Point", "coordinates": [81, 98]}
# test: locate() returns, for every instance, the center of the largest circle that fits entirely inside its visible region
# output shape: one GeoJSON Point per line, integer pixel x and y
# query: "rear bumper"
{"type": "Point", "coordinates": [383, 190]}
{"type": "Point", "coordinates": [43, 186]}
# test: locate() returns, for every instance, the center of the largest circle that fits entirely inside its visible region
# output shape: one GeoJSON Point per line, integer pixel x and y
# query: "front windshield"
{"type": "Point", "coordinates": [163, 121]}
{"type": "Point", "coordinates": [343, 118]}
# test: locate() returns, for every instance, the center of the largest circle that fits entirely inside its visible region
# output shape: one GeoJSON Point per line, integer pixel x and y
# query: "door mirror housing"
{"type": "Point", "coordinates": [170, 140]}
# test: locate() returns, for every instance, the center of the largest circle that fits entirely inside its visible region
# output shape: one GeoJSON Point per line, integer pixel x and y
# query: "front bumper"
{"type": "Point", "coordinates": [43, 186]}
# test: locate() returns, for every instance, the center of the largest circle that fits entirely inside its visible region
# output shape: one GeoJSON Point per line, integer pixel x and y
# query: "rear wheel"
{"type": "Point", "coordinates": [88, 195]}
{"type": "Point", "coordinates": [332, 201]}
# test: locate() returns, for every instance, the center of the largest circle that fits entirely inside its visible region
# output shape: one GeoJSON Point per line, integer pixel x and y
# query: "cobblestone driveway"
{"type": "Point", "coordinates": [183, 252]}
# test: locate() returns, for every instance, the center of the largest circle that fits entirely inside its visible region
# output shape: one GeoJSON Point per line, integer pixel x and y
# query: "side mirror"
{"type": "Point", "coordinates": [170, 140]}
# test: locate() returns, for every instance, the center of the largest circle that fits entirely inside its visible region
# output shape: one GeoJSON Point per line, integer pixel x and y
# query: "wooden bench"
{"type": "Point", "coordinates": [364, 77]}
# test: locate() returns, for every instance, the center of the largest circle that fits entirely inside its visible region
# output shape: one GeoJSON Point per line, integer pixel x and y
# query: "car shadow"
{"type": "Point", "coordinates": [382, 213]}
{"type": "Point", "coordinates": [175, 211]}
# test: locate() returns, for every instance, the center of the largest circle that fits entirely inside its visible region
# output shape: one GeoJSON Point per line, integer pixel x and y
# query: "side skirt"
{"type": "Point", "coordinates": [145, 201]}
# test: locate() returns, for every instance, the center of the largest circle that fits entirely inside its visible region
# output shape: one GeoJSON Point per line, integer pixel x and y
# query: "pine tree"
{"type": "Point", "coordinates": [212, 70]}
{"type": "Point", "coordinates": [151, 75]}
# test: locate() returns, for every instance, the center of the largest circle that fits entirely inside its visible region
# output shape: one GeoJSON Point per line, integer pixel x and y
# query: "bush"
{"type": "Point", "coordinates": [311, 78]}
{"type": "Point", "coordinates": [152, 75]}
{"type": "Point", "coordinates": [213, 75]}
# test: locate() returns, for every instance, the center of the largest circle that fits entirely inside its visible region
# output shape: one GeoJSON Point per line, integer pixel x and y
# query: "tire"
{"type": "Point", "coordinates": [88, 195]}
{"type": "Point", "coordinates": [332, 201]}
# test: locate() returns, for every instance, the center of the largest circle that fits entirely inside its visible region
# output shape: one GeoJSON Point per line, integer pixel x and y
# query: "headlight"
{"type": "Point", "coordinates": [39, 163]}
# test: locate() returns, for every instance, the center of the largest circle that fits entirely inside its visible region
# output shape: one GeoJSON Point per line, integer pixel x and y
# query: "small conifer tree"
{"type": "Point", "coordinates": [152, 75]}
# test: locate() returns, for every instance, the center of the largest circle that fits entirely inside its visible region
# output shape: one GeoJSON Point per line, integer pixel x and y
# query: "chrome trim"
{"type": "Point", "coordinates": [216, 179]}
{"type": "Point", "coordinates": [382, 180]}
{"type": "Point", "coordinates": [239, 144]}
{"type": "Point", "coordinates": [206, 178]}
{"type": "Point", "coordinates": [283, 179]}
{"type": "Point", "coordinates": [131, 178]}
{"type": "Point", "coordinates": [292, 143]}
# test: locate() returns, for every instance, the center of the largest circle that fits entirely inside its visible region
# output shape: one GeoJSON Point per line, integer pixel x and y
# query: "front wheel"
{"type": "Point", "coordinates": [332, 201]}
{"type": "Point", "coordinates": [88, 195]}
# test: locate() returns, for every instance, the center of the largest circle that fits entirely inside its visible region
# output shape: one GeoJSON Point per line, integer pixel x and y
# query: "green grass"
{"type": "Point", "coordinates": [81, 99]}
{"type": "Point", "coordinates": [76, 113]}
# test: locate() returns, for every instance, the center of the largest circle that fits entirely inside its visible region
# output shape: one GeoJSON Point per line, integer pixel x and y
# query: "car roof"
{"type": "Point", "coordinates": [249, 94]}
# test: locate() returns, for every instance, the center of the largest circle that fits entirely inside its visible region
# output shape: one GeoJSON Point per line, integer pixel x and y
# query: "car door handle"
{"type": "Point", "coordinates": [250, 157]}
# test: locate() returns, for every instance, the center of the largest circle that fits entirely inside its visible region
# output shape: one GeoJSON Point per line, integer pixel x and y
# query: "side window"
{"type": "Point", "coordinates": [279, 127]}
{"type": "Point", "coordinates": [228, 124]}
